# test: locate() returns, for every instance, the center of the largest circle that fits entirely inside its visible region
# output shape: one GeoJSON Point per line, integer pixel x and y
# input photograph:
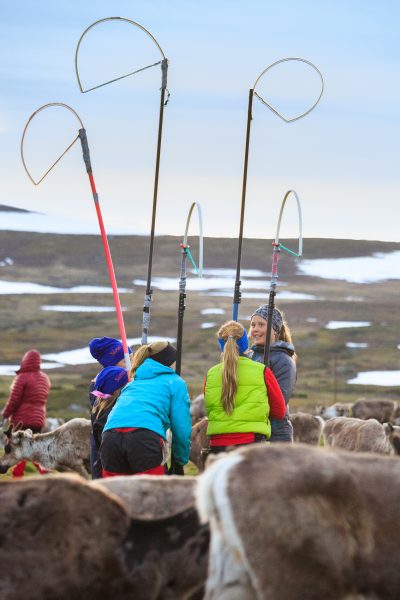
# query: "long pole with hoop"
{"type": "Point", "coordinates": [86, 157]}
{"type": "Point", "coordinates": [252, 93]}
{"type": "Point", "coordinates": [164, 95]}
{"type": "Point", "coordinates": [274, 272]}
{"type": "Point", "coordinates": [185, 253]}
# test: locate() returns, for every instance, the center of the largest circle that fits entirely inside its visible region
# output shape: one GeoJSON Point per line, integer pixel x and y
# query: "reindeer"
{"type": "Point", "coordinates": [383, 410]}
{"type": "Point", "coordinates": [51, 424]}
{"type": "Point", "coordinates": [339, 409]}
{"type": "Point", "coordinates": [307, 429]}
{"type": "Point", "coordinates": [64, 449]}
{"type": "Point", "coordinates": [199, 444]}
{"type": "Point", "coordinates": [197, 408]}
{"type": "Point", "coordinates": [295, 521]}
{"type": "Point", "coordinates": [123, 537]}
{"type": "Point", "coordinates": [358, 435]}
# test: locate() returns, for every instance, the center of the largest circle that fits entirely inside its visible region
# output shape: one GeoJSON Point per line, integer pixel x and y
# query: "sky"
{"type": "Point", "coordinates": [341, 159]}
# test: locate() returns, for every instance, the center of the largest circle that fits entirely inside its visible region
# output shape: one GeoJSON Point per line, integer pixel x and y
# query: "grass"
{"type": "Point", "coordinates": [324, 362]}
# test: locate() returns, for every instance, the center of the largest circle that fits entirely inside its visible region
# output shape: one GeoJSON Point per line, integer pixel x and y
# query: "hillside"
{"type": "Point", "coordinates": [324, 362]}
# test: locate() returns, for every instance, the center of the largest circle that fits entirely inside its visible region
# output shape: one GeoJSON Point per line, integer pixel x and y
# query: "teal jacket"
{"type": "Point", "coordinates": [156, 399]}
{"type": "Point", "coordinates": [251, 411]}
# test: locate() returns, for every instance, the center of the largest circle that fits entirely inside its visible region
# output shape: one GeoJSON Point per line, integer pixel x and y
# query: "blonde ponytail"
{"type": "Point", "coordinates": [138, 358]}
{"type": "Point", "coordinates": [230, 332]}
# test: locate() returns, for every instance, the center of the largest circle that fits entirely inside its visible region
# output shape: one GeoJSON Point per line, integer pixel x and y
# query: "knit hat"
{"type": "Point", "coordinates": [163, 352]}
{"type": "Point", "coordinates": [242, 342]}
{"type": "Point", "coordinates": [107, 351]}
{"type": "Point", "coordinates": [109, 380]}
{"type": "Point", "coordinates": [277, 319]}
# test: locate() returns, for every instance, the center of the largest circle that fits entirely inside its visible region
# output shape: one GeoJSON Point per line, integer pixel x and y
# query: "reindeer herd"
{"type": "Point", "coordinates": [280, 522]}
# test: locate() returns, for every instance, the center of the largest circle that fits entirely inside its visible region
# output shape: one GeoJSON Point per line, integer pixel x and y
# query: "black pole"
{"type": "Point", "coordinates": [149, 291]}
{"type": "Point", "coordinates": [237, 293]}
{"type": "Point", "coordinates": [176, 468]}
{"type": "Point", "coordinates": [181, 311]}
{"type": "Point", "coordinates": [271, 301]}
{"type": "Point", "coordinates": [271, 306]}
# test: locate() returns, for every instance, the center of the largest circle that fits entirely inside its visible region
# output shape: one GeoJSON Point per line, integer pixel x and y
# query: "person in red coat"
{"type": "Point", "coordinates": [26, 404]}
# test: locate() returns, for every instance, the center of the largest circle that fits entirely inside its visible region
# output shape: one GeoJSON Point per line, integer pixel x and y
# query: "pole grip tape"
{"type": "Point", "coordinates": [164, 73]}
{"type": "Point", "coordinates": [85, 149]}
{"type": "Point", "coordinates": [237, 296]}
{"type": "Point", "coordinates": [146, 317]}
{"type": "Point", "coordinates": [146, 320]}
{"type": "Point", "coordinates": [127, 361]}
{"type": "Point", "coordinates": [181, 305]}
{"type": "Point", "coordinates": [182, 285]}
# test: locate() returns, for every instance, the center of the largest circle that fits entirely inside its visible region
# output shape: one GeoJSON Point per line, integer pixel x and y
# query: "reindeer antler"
{"type": "Point", "coordinates": [7, 427]}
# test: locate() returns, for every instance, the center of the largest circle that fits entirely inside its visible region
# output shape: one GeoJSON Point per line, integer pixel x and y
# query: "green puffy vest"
{"type": "Point", "coordinates": [251, 411]}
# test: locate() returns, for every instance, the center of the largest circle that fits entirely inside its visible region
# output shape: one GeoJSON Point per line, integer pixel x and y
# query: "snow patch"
{"type": "Point", "coordinates": [382, 378]}
{"type": "Point", "coordinates": [82, 356]}
{"type": "Point", "coordinates": [363, 269]}
{"type": "Point", "coordinates": [7, 262]}
{"type": "Point", "coordinates": [22, 287]}
{"type": "Point", "coordinates": [347, 324]}
{"type": "Point", "coordinates": [75, 308]}
{"type": "Point", "coordinates": [6, 370]}
{"type": "Point", "coordinates": [356, 345]}
{"type": "Point", "coordinates": [259, 296]}
{"type": "Point", "coordinates": [212, 311]}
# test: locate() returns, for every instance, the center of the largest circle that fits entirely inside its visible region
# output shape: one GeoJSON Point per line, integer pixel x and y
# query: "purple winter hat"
{"type": "Point", "coordinates": [107, 351]}
{"type": "Point", "coordinates": [109, 380]}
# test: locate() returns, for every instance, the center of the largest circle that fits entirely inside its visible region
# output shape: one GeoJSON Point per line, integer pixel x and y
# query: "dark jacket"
{"type": "Point", "coordinates": [95, 462]}
{"type": "Point", "coordinates": [30, 389]}
{"type": "Point", "coordinates": [98, 424]}
{"type": "Point", "coordinates": [283, 366]}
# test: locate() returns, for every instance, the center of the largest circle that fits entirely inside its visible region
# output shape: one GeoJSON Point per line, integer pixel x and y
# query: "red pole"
{"type": "Point", "coordinates": [86, 158]}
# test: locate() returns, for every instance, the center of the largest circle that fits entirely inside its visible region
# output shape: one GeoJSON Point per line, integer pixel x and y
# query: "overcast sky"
{"type": "Point", "coordinates": [342, 159]}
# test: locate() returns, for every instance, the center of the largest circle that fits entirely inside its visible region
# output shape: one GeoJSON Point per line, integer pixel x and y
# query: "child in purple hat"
{"type": "Point", "coordinates": [107, 388]}
{"type": "Point", "coordinates": [108, 352]}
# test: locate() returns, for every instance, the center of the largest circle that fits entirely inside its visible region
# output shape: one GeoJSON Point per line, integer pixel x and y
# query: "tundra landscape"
{"type": "Point", "coordinates": [364, 337]}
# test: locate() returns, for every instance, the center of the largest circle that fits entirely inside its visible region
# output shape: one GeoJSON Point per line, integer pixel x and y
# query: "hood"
{"type": "Point", "coordinates": [276, 347]}
{"type": "Point", "coordinates": [151, 368]}
{"type": "Point", "coordinates": [30, 362]}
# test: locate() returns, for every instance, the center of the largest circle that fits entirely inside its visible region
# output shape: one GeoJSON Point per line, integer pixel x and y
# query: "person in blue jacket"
{"type": "Point", "coordinates": [155, 400]}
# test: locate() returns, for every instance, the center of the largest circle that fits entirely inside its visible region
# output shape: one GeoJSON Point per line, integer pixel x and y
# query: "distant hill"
{"type": "Point", "coordinates": [5, 208]}
{"type": "Point", "coordinates": [62, 259]}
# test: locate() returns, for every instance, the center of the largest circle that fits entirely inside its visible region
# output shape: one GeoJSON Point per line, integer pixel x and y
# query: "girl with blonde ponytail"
{"type": "Point", "coordinates": [156, 399]}
{"type": "Point", "coordinates": [240, 394]}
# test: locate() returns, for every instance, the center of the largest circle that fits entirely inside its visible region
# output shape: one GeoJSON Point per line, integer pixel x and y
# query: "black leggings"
{"type": "Point", "coordinates": [130, 452]}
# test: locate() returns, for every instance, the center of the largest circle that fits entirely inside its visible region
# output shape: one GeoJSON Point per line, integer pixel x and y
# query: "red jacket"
{"type": "Point", "coordinates": [29, 391]}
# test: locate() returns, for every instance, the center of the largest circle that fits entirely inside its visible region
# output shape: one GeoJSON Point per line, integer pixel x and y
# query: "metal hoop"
{"type": "Point", "coordinates": [276, 112]}
{"type": "Point", "coordinates": [65, 151]}
{"type": "Point", "coordinates": [200, 217]}
{"type": "Point", "coordinates": [300, 246]}
{"type": "Point", "coordinates": [135, 24]}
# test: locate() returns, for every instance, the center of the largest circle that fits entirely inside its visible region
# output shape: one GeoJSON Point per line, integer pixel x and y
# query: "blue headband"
{"type": "Point", "coordinates": [242, 343]}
